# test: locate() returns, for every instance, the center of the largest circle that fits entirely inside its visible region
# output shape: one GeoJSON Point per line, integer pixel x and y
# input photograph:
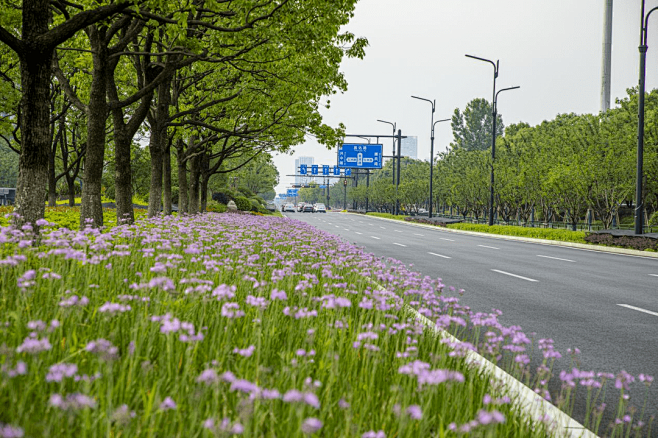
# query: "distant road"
{"type": "Point", "coordinates": [604, 304]}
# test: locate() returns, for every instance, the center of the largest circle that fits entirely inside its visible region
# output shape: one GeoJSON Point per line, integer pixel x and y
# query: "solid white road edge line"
{"type": "Point", "coordinates": [514, 275]}
{"type": "Point", "coordinates": [556, 258]}
{"type": "Point", "coordinates": [439, 255]}
{"type": "Point", "coordinates": [523, 397]}
{"type": "Point", "coordinates": [639, 309]}
{"type": "Point", "coordinates": [399, 244]}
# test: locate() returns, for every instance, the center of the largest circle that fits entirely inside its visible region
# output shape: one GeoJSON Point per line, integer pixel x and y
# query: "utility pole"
{"type": "Point", "coordinates": [606, 69]}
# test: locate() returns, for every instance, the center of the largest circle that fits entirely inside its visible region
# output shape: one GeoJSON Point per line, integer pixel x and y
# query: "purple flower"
{"type": "Point", "coordinates": [312, 400]}
{"type": "Point", "coordinates": [167, 404]}
{"type": "Point", "coordinates": [208, 377]}
{"type": "Point", "coordinates": [34, 346]}
{"type": "Point", "coordinates": [415, 412]}
{"type": "Point", "coordinates": [343, 404]}
{"type": "Point", "coordinates": [293, 396]}
{"type": "Point", "coordinates": [72, 402]}
{"type": "Point", "coordinates": [7, 431]}
{"type": "Point", "coordinates": [60, 371]}
{"type": "Point", "coordinates": [245, 352]}
{"type": "Point", "coordinates": [278, 295]}
{"type": "Point", "coordinates": [258, 302]}
{"type": "Point", "coordinates": [123, 414]}
{"type": "Point", "coordinates": [244, 386]}
{"type": "Point", "coordinates": [103, 348]}
{"type": "Point", "coordinates": [113, 308]}
{"type": "Point", "coordinates": [311, 425]}
{"type": "Point", "coordinates": [231, 310]}
{"type": "Point", "coordinates": [494, 417]}
{"type": "Point", "coordinates": [373, 434]}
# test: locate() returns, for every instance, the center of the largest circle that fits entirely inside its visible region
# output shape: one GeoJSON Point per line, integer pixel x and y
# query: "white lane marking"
{"type": "Point", "coordinates": [358, 232]}
{"type": "Point", "coordinates": [398, 231]}
{"type": "Point", "coordinates": [653, 275]}
{"type": "Point", "coordinates": [345, 229]}
{"type": "Point", "coordinates": [336, 226]}
{"type": "Point", "coordinates": [399, 244]}
{"type": "Point", "coordinates": [329, 223]}
{"type": "Point", "coordinates": [639, 309]}
{"type": "Point", "coordinates": [375, 237]}
{"type": "Point", "coordinates": [439, 255]}
{"type": "Point", "coordinates": [556, 258]}
{"type": "Point", "coordinates": [490, 247]}
{"type": "Point", "coordinates": [443, 238]}
{"type": "Point", "coordinates": [421, 235]}
{"type": "Point", "coordinates": [382, 228]}
{"type": "Point", "coordinates": [514, 275]}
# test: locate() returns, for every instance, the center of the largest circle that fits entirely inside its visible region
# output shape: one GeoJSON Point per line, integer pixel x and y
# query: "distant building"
{"type": "Point", "coordinates": [309, 161]}
{"type": "Point", "coordinates": [410, 147]}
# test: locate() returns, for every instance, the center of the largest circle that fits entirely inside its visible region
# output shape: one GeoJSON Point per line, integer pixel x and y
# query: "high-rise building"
{"type": "Point", "coordinates": [309, 161]}
{"type": "Point", "coordinates": [410, 147]}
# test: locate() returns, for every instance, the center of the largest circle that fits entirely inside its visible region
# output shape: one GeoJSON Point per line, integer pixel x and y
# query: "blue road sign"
{"type": "Point", "coordinates": [323, 186]}
{"type": "Point", "coordinates": [360, 156]}
{"type": "Point", "coordinates": [303, 169]}
{"type": "Point", "coordinates": [348, 172]}
{"type": "Point", "coordinates": [325, 170]}
{"type": "Point", "coordinates": [291, 193]}
{"type": "Point", "coordinates": [336, 170]}
{"type": "Point", "coordinates": [314, 169]}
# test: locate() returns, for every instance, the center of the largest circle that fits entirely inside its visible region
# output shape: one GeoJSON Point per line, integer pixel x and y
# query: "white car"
{"type": "Point", "coordinates": [289, 207]}
{"type": "Point", "coordinates": [319, 208]}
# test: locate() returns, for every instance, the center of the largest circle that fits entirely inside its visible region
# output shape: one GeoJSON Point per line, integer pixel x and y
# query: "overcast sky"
{"type": "Point", "coordinates": [551, 48]}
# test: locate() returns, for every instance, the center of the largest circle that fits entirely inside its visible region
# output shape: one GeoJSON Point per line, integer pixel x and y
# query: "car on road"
{"type": "Point", "coordinates": [289, 207]}
{"type": "Point", "coordinates": [319, 208]}
{"type": "Point", "coordinates": [307, 208]}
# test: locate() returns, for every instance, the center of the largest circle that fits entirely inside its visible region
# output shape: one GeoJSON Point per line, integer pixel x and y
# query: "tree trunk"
{"type": "Point", "coordinates": [166, 173]}
{"type": "Point", "coordinates": [193, 201]}
{"type": "Point", "coordinates": [91, 209]}
{"type": "Point", "coordinates": [182, 178]}
{"type": "Point", "coordinates": [205, 165]}
{"type": "Point", "coordinates": [71, 185]}
{"type": "Point", "coordinates": [156, 146]}
{"type": "Point", "coordinates": [123, 193]}
{"type": "Point", "coordinates": [35, 67]}
{"type": "Point", "coordinates": [52, 183]}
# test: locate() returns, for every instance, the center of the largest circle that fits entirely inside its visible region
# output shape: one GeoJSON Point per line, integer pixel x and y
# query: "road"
{"type": "Point", "coordinates": [604, 304]}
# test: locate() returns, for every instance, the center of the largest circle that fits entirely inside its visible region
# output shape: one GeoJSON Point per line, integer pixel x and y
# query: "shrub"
{"type": "Point", "coordinates": [243, 204]}
{"type": "Point", "coordinates": [221, 197]}
{"type": "Point", "coordinates": [246, 192]}
{"type": "Point", "coordinates": [537, 233]}
{"type": "Point", "coordinates": [630, 242]}
{"type": "Point", "coordinates": [216, 207]}
{"type": "Point", "coordinates": [653, 220]}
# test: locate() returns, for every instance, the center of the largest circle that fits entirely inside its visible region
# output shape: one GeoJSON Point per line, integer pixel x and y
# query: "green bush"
{"type": "Point", "coordinates": [537, 233]}
{"type": "Point", "coordinates": [387, 216]}
{"type": "Point", "coordinates": [243, 204]}
{"type": "Point", "coordinates": [216, 207]}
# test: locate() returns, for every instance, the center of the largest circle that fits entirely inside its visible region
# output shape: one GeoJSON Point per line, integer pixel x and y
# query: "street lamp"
{"type": "Point", "coordinates": [433, 124]}
{"type": "Point", "coordinates": [639, 201]}
{"type": "Point", "coordinates": [496, 66]}
{"type": "Point", "coordinates": [393, 139]}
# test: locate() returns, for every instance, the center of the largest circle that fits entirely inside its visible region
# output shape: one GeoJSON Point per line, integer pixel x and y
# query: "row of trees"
{"type": "Point", "coordinates": [215, 85]}
{"type": "Point", "coordinates": [558, 169]}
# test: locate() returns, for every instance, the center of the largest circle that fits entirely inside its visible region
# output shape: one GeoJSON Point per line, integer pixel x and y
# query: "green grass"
{"type": "Point", "coordinates": [202, 258]}
{"type": "Point", "coordinates": [508, 230]}
{"type": "Point", "coordinates": [511, 230]}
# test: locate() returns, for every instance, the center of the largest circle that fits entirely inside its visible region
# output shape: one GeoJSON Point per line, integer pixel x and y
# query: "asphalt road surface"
{"type": "Point", "coordinates": [604, 304]}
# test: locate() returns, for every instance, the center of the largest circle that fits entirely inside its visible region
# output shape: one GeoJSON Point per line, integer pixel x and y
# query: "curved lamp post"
{"type": "Point", "coordinates": [496, 66]}
{"type": "Point", "coordinates": [394, 125]}
{"type": "Point", "coordinates": [433, 124]}
{"type": "Point", "coordinates": [639, 201]}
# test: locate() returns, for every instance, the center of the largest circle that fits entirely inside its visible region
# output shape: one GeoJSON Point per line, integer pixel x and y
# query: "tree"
{"type": "Point", "coordinates": [471, 129]}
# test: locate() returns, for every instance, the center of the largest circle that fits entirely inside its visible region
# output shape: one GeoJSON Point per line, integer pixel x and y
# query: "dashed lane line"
{"type": "Point", "coordinates": [514, 275]}
{"type": "Point", "coordinates": [399, 244]}
{"type": "Point", "coordinates": [443, 238]}
{"type": "Point", "coordinates": [421, 235]}
{"type": "Point", "coordinates": [490, 247]}
{"type": "Point", "coordinates": [375, 237]}
{"type": "Point", "coordinates": [556, 258]}
{"type": "Point", "coordinates": [358, 232]}
{"type": "Point", "coordinates": [439, 255]}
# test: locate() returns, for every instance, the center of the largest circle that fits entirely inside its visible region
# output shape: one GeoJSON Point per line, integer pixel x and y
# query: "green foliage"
{"type": "Point", "coordinates": [472, 128]}
{"type": "Point", "coordinates": [537, 233]}
{"type": "Point", "coordinates": [8, 165]}
{"type": "Point", "coordinates": [216, 207]}
{"type": "Point", "coordinates": [653, 220]}
{"type": "Point", "coordinates": [243, 203]}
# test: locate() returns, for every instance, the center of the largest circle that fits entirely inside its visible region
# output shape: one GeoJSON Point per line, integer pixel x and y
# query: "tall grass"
{"type": "Point", "coordinates": [224, 324]}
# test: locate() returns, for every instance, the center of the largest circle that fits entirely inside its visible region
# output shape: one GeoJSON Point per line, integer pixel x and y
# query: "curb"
{"type": "Point", "coordinates": [524, 398]}
{"type": "Point", "coordinates": [596, 248]}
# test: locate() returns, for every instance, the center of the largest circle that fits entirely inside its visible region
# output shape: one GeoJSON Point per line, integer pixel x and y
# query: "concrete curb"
{"type": "Point", "coordinates": [597, 248]}
{"type": "Point", "coordinates": [524, 398]}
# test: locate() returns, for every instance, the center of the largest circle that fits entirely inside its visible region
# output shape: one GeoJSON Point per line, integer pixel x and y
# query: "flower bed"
{"type": "Point", "coordinates": [223, 324]}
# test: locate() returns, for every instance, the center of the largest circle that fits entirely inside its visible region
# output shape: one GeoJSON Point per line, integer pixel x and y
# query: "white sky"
{"type": "Point", "coordinates": [551, 48]}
